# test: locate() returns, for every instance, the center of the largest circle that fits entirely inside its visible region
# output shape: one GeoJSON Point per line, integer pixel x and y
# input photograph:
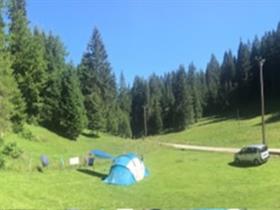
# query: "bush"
{"type": "Point", "coordinates": [12, 150]}
{"type": "Point", "coordinates": [27, 134]}
{"type": "Point", "coordinates": [2, 161]}
{"type": "Point", "coordinates": [1, 142]}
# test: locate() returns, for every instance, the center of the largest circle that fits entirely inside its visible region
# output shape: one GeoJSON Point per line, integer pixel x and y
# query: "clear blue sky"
{"type": "Point", "coordinates": [146, 36]}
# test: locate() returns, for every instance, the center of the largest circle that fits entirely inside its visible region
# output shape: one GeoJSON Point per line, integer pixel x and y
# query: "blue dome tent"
{"type": "Point", "coordinates": [126, 169]}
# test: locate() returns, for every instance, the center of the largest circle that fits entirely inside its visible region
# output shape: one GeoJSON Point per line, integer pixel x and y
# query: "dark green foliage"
{"type": "Point", "coordinates": [98, 86]}
{"type": "Point", "coordinates": [155, 121]}
{"type": "Point", "coordinates": [93, 105]}
{"type": "Point", "coordinates": [55, 59]}
{"type": "Point", "coordinates": [72, 116]}
{"type": "Point", "coordinates": [243, 73]}
{"type": "Point", "coordinates": [10, 99]}
{"type": "Point", "coordinates": [228, 80]}
{"type": "Point", "coordinates": [37, 84]}
{"type": "Point", "coordinates": [27, 51]}
{"type": "Point", "coordinates": [167, 102]}
{"type": "Point", "coordinates": [124, 96]}
{"type": "Point", "coordinates": [124, 103]}
{"type": "Point", "coordinates": [2, 161]}
{"type": "Point", "coordinates": [194, 84]}
{"type": "Point", "coordinates": [155, 124]}
{"type": "Point", "coordinates": [18, 115]}
{"type": "Point", "coordinates": [139, 94]}
{"type": "Point", "coordinates": [28, 135]}
{"type": "Point", "coordinates": [183, 110]}
{"type": "Point", "coordinates": [124, 128]}
{"type": "Point", "coordinates": [213, 83]}
{"type": "Point", "coordinates": [12, 150]}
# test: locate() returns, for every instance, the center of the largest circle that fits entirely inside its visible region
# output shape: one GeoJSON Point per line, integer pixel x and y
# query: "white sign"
{"type": "Point", "coordinates": [74, 161]}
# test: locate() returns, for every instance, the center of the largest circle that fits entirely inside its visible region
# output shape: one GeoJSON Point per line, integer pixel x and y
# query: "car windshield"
{"type": "Point", "coordinates": [264, 148]}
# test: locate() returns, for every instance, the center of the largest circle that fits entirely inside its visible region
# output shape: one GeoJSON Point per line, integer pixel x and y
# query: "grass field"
{"type": "Point", "coordinates": [229, 132]}
{"type": "Point", "coordinates": [178, 179]}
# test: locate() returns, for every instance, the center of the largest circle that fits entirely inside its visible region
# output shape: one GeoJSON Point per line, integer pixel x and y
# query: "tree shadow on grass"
{"type": "Point", "coordinates": [215, 119]}
{"type": "Point", "coordinates": [93, 173]}
{"type": "Point", "coordinates": [90, 135]}
{"type": "Point", "coordinates": [275, 117]}
{"type": "Point", "coordinates": [242, 165]}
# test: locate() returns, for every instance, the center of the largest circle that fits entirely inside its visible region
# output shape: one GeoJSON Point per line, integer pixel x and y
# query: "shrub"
{"type": "Point", "coordinates": [12, 150]}
{"type": "Point", "coordinates": [27, 134]}
{"type": "Point", "coordinates": [2, 161]}
{"type": "Point", "coordinates": [1, 142]}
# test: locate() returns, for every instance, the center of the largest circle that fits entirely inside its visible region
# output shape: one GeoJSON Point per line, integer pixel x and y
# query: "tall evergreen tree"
{"type": "Point", "coordinates": [192, 79]}
{"type": "Point", "coordinates": [10, 99]}
{"type": "Point", "coordinates": [167, 101]}
{"type": "Point", "coordinates": [124, 103]}
{"type": "Point", "coordinates": [255, 53]}
{"type": "Point", "coordinates": [228, 79]}
{"type": "Point", "coordinates": [98, 80]}
{"type": "Point", "coordinates": [124, 128]}
{"type": "Point", "coordinates": [213, 83]}
{"type": "Point", "coordinates": [28, 63]}
{"type": "Point", "coordinates": [155, 124]}
{"type": "Point", "coordinates": [55, 58]}
{"type": "Point", "coordinates": [71, 112]}
{"type": "Point", "coordinates": [243, 71]}
{"type": "Point", "coordinates": [140, 101]}
{"type": "Point", "coordinates": [124, 97]}
{"type": "Point", "coordinates": [183, 110]}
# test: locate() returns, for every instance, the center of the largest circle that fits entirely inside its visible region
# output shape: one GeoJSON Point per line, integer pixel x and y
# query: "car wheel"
{"type": "Point", "coordinates": [256, 162]}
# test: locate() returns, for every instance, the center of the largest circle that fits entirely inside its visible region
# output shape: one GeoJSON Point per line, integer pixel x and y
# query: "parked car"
{"type": "Point", "coordinates": [256, 154]}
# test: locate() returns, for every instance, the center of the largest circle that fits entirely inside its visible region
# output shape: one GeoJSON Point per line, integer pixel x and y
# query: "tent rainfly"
{"type": "Point", "coordinates": [126, 169]}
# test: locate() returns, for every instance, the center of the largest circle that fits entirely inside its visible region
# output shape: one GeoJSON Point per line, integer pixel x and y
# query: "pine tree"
{"type": "Point", "coordinates": [139, 93]}
{"type": "Point", "coordinates": [124, 128]}
{"type": "Point", "coordinates": [124, 97]}
{"type": "Point", "coordinates": [167, 101]}
{"type": "Point", "coordinates": [55, 59]}
{"type": "Point", "coordinates": [72, 112]}
{"type": "Point", "coordinates": [183, 110]}
{"type": "Point", "coordinates": [228, 79]}
{"type": "Point", "coordinates": [155, 121]}
{"type": "Point", "coordinates": [94, 110]}
{"type": "Point", "coordinates": [28, 62]}
{"type": "Point", "coordinates": [243, 67]}
{"type": "Point", "coordinates": [124, 104]}
{"type": "Point", "coordinates": [213, 83]}
{"type": "Point", "coordinates": [11, 102]}
{"type": "Point", "coordinates": [154, 109]}
{"type": "Point", "coordinates": [192, 80]}
{"type": "Point", "coordinates": [255, 53]}
{"type": "Point", "coordinates": [98, 80]}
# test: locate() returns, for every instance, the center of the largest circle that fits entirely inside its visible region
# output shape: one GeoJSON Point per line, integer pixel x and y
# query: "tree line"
{"type": "Point", "coordinates": [38, 85]}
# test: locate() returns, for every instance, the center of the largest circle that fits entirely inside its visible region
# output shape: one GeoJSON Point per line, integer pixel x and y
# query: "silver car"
{"type": "Point", "coordinates": [256, 154]}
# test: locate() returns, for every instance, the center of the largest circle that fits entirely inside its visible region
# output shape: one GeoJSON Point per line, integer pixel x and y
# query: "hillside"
{"type": "Point", "coordinates": [177, 178]}
{"type": "Point", "coordinates": [230, 129]}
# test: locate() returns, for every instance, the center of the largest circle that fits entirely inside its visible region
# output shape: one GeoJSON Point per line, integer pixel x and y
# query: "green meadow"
{"type": "Point", "coordinates": [178, 179]}
{"type": "Point", "coordinates": [227, 132]}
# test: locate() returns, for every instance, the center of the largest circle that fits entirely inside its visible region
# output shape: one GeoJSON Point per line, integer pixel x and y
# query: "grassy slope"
{"type": "Point", "coordinates": [227, 132]}
{"type": "Point", "coordinates": [178, 178]}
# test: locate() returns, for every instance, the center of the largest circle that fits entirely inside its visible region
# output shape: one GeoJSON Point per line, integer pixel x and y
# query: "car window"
{"type": "Point", "coordinates": [263, 148]}
{"type": "Point", "coordinates": [251, 150]}
{"type": "Point", "coordinates": [254, 150]}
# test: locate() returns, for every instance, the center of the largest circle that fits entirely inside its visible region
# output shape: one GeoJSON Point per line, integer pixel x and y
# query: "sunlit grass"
{"type": "Point", "coordinates": [226, 132]}
{"type": "Point", "coordinates": [178, 179]}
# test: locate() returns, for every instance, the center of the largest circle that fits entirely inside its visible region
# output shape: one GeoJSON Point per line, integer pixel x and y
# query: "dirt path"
{"type": "Point", "coordinates": [273, 151]}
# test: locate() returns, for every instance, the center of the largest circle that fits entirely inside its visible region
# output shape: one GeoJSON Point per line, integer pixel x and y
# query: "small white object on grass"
{"type": "Point", "coordinates": [74, 161]}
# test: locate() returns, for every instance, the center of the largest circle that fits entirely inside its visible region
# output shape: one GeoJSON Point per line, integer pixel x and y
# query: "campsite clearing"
{"type": "Point", "coordinates": [178, 179]}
